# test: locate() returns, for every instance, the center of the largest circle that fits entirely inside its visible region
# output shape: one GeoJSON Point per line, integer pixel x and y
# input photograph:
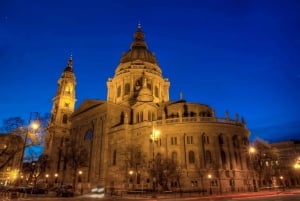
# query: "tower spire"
{"type": "Point", "coordinates": [70, 64]}
{"type": "Point", "coordinates": [139, 38]}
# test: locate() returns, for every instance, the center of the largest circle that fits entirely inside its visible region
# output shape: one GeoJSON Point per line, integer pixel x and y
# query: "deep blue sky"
{"type": "Point", "coordinates": [235, 55]}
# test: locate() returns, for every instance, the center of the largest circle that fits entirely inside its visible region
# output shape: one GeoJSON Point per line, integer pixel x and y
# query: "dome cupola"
{"type": "Point", "coordinates": [138, 77]}
{"type": "Point", "coordinates": [138, 49]}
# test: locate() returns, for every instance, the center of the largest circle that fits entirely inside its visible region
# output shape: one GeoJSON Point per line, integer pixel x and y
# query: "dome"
{"type": "Point", "coordinates": [138, 50]}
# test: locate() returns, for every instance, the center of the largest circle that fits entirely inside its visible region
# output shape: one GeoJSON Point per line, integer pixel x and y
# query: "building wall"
{"type": "Point", "coordinates": [289, 155]}
{"type": "Point", "coordinates": [183, 128]}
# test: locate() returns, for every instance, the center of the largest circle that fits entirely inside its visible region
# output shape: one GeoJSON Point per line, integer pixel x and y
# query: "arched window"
{"type": "Point", "coordinates": [119, 91]}
{"type": "Point", "coordinates": [207, 156]}
{"type": "Point", "coordinates": [235, 141]}
{"type": "Point", "coordinates": [223, 158]}
{"type": "Point", "coordinates": [221, 140]}
{"type": "Point", "coordinates": [149, 116]}
{"type": "Point", "coordinates": [153, 116]}
{"type": "Point", "coordinates": [141, 117]}
{"type": "Point", "coordinates": [156, 91]}
{"type": "Point", "coordinates": [65, 119]}
{"type": "Point", "coordinates": [174, 156]}
{"type": "Point", "coordinates": [205, 139]}
{"type": "Point", "coordinates": [122, 116]}
{"type": "Point", "coordinates": [114, 159]}
{"type": "Point", "coordinates": [137, 117]}
{"type": "Point", "coordinates": [88, 135]}
{"type": "Point", "coordinates": [236, 158]}
{"type": "Point", "coordinates": [245, 141]}
{"type": "Point", "coordinates": [127, 88]}
{"type": "Point", "coordinates": [191, 157]}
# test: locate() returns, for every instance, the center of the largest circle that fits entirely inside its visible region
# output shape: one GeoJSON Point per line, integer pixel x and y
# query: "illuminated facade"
{"type": "Point", "coordinates": [137, 105]}
{"type": "Point", "coordinates": [10, 158]}
{"type": "Point", "coordinates": [289, 159]}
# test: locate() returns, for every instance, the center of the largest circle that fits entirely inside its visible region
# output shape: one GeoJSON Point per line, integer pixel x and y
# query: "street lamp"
{"type": "Point", "coordinates": [32, 128]}
{"type": "Point", "coordinates": [282, 183]}
{"type": "Point", "coordinates": [154, 138]}
{"type": "Point", "coordinates": [46, 181]}
{"type": "Point", "coordinates": [130, 179]}
{"type": "Point", "coordinates": [55, 176]}
{"type": "Point", "coordinates": [252, 151]}
{"type": "Point", "coordinates": [209, 178]}
{"type": "Point", "coordinates": [79, 180]}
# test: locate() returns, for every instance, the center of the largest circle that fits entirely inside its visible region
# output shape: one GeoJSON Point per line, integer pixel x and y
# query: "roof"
{"type": "Point", "coordinates": [87, 105]}
{"type": "Point", "coordinates": [138, 50]}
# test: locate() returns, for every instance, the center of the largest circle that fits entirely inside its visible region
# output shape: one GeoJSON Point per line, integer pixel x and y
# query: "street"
{"type": "Point", "coordinates": [263, 196]}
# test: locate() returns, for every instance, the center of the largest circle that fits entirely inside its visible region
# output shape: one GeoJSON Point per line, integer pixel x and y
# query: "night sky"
{"type": "Point", "coordinates": [237, 55]}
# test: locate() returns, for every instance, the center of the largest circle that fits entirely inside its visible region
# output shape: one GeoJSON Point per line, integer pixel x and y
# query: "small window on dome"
{"type": "Point", "coordinates": [156, 92]}
{"type": "Point", "coordinates": [119, 91]}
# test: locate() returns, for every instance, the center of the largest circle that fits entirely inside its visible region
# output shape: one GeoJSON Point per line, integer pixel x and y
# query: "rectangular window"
{"type": "Point", "coordinates": [173, 140]}
{"type": "Point", "coordinates": [119, 91]}
{"type": "Point", "coordinates": [189, 140]}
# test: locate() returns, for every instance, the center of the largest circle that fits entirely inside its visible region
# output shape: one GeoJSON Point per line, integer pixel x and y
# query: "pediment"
{"type": "Point", "coordinates": [87, 105]}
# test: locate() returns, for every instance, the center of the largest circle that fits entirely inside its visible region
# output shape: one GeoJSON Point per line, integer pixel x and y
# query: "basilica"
{"type": "Point", "coordinates": [139, 139]}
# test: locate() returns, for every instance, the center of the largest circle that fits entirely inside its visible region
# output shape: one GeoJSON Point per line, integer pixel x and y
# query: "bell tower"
{"type": "Point", "coordinates": [64, 100]}
{"type": "Point", "coordinates": [63, 106]}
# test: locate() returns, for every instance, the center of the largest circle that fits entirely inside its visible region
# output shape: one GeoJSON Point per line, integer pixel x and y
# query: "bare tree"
{"type": "Point", "coordinates": [134, 161]}
{"type": "Point", "coordinates": [165, 170]}
{"type": "Point", "coordinates": [10, 146]}
{"type": "Point", "coordinates": [11, 124]}
{"type": "Point", "coordinates": [18, 137]}
{"type": "Point", "coordinates": [75, 157]}
{"type": "Point", "coordinates": [35, 168]}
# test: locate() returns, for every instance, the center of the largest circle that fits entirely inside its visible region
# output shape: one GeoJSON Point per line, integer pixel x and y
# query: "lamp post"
{"type": "Point", "coordinates": [252, 151]}
{"type": "Point", "coordinates": [282, 182]}
{"type": "Point", "coordinates": [130, 179]}
{"type": "Point", "coordinates": [55, 176]}
{"type": "Point", "coordinates": [154, 137]}
{"type": "Point", "coordinates": [209, 179]}
{"type": "Point", "coordinates": [80, 182]}
{"type": "Point", "coordinates": [46, 180]}
{"type": "Point", "coordinates": [32, 128]}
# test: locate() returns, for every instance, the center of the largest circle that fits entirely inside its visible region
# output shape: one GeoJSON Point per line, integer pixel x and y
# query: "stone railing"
{"type": "Point", "coordinates": [201, 119]}
{"type": "Point", "coordinates": [178, 120]}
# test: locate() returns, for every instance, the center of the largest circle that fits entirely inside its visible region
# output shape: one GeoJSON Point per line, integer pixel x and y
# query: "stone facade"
{"type": "Point", "coordinates": [289, 157]}
{"type": "Point", "coordinates": [137, 105]}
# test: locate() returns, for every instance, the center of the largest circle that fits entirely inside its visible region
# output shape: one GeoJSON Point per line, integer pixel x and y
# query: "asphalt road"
{"type": "Point", "coordinates": [262, 196]}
